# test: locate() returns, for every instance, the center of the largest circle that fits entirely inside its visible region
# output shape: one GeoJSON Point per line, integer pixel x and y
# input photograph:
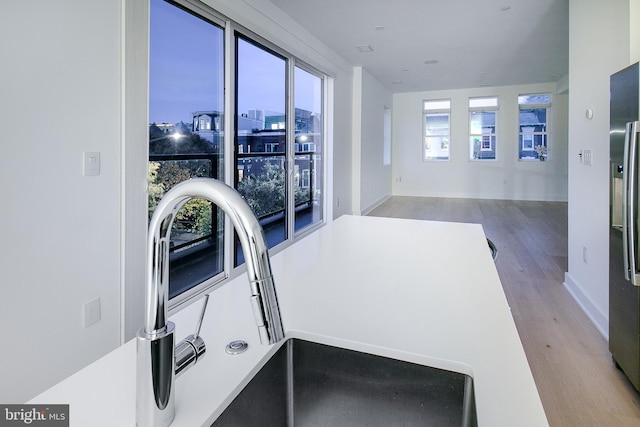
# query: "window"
{"type": "Point", "coordinates": [278, 143]}
{"type": "Point", "coordinates": [308, 128]}
{"type": "Point", "coordinates": [262, 178]}
{"type": "Point", "coordinates": [482, 128]}
{"type": "Point", "coordinates": [436, 124]}
{"type": "Point", "coordinates": [533, 117]}
{"type": "Point", "coordinates": [306, 182]}
{"type": "Point", "coordinates": [386, 147]}
{"type": "Point", "coordinates": [185, 97]}
{"type": "Point", "coordinates": [261, 167]}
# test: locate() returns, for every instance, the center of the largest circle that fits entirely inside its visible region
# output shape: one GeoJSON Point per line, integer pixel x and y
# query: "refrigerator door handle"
{"type": "Point", "coordinates": [629, 201]}
{"type": "Point", "coordinates": [625, 202]}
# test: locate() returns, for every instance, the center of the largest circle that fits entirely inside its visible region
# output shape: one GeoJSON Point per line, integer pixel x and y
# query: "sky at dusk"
{"type": "Point", "coordinates": [186, 70]}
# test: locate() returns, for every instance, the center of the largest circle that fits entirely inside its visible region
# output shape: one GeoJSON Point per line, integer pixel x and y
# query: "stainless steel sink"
{"type": "Point", "coordinates": [308, 384]}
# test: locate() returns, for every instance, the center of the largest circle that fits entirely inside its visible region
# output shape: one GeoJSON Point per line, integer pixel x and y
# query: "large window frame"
{"type": "Point", "coordinates": [228, 121]}
{"type": "Point", "coordinates": [534, 115]}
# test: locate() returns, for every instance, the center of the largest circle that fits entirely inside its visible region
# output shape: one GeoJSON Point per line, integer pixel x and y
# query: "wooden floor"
{"type": "Point", "coordinates": [569, 358]}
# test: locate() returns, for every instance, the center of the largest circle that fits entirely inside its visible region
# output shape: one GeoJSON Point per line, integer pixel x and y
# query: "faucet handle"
{"type": "Point", "coordinates": [204, 309]}
{"type": "Point", "coordinates": [191, 349]}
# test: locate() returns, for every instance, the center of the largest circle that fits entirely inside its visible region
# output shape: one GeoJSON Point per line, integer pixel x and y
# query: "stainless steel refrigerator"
{"type": "Point", "coordinates": [624, 252]}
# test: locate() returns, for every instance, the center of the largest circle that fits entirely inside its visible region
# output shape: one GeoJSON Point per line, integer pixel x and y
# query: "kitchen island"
{"type": "Point", "coordinates": [421, 291]}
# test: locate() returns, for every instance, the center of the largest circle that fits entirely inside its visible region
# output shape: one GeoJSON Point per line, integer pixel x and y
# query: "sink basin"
{"type": "Point", "coordinates": [308, 384]}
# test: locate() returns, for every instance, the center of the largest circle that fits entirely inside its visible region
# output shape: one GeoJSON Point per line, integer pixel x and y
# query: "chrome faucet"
{"type": "Point", "coordinates": [159, 361]}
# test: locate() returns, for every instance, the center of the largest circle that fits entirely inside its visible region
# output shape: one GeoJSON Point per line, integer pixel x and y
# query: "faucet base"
{"type": "Point", "coordinates": [155, 402]}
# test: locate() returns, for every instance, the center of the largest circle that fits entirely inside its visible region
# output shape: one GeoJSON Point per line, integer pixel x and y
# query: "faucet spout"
{"type": "Point", "coordinates": [156, 351]}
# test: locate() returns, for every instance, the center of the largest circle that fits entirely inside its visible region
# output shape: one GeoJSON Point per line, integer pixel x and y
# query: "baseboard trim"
{"type": "Point", "coordinates": [600, 321]}
{"type": "Point", "coordinates": [377, 203]}
{"type": "Point", "coordinates": [487, 196]}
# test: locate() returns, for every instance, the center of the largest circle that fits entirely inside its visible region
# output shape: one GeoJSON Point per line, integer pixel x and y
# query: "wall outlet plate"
{"type": "Point", "coordinates": [91, 312]}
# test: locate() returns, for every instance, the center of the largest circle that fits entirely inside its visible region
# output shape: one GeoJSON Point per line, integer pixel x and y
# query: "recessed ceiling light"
{"type": "Point", "coordinates": [364, 48]}
{"type": "Point", "coordinates": [431, 61]}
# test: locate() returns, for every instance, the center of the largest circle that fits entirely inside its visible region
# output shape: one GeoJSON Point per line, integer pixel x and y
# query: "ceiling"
{"type": "Point", "coordinates": [447, 44]}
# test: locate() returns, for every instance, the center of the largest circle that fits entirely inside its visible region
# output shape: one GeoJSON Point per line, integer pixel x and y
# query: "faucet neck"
{"type": "Point", "coordinates": [158, 244]}
{"type": "Point", "coordinates": [251, 238]}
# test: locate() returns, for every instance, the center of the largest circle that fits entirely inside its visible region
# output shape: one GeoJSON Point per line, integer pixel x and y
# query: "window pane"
{"type": "Point", "coordinates": [536, 117]}
{"type": "Point", "coordinates": [437, 124]}
{"type": "Point", "coordinates": [533, 134]}
{"type": "Point", "coordinates": [442, 104]}
{"type": "Point", "coordinates": [483, 102]}
{"type": "Point", "coordinates": [308, 172]}
{"type": "Point", "coordinates": [437, 129]}
{"type": "Point", "coordinates": [386, 151]}
{"type": "Point", "coordinates": [536, 99]}
{"type": "Point", "coordinates": [261, 138]}
{"type": "Point", "coordinates": [436, 148]}
{"type": "Point", "coordinates": [436, 143]}
{"type": "Point", "coordinates": [186, 55]}
{"type": "Point", "coordinates": [482, 122]}
{"type": "Point", "coordinates": [482, 135]}
{"type": "Point", "coordinates": [483, 147]}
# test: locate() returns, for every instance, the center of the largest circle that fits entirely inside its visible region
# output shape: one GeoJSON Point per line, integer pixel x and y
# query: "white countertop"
{"type": "Point", "coordinates": [422, 291]}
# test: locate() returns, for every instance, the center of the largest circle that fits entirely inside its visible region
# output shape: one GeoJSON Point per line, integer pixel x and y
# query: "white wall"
{"type": "Point", "coordinates": [505, 178]}
{"type": "Point", "coordinates": [371, 177]}
{"type": "Point", "coordinates": [599, 43]}
{"type": "Point", "coordinates": [342, 153]}
{"type": "Point", "coordinates": [60, 85]}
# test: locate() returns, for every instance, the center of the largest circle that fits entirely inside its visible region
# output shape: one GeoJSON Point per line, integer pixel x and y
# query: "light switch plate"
{"type": "Point", "coordinates": [91, 163]}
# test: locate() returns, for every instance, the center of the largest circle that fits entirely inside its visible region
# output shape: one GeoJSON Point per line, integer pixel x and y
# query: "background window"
{"type": "Point", "coordinates": [437, 129]}
{"type": "Point", "coordinates": [309, 124]}
{"type": "Point", "coordinates": [386, 150]}
{"type": "Point", "coordinates": [533, 116]}
{"type": "Point", "coordinates": [482, 128]}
